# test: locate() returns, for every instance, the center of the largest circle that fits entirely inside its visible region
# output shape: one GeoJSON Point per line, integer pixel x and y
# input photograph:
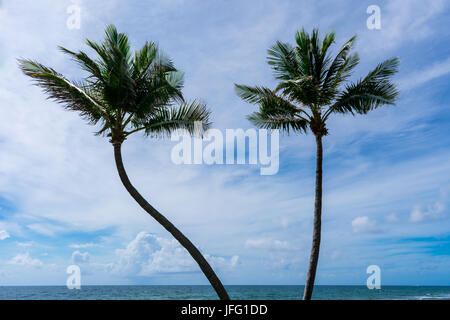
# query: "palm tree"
{"type": "Point", "coordinates": [125, 93]}
{"type": "Point", "coordinates": [312, 87]}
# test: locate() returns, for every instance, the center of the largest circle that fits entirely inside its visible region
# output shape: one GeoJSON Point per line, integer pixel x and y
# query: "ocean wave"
{"type": "Point", "coordinates": [433, 297]}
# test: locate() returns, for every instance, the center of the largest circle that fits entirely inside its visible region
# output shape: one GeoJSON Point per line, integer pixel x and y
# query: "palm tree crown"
{"type": "Point", "coordinates": [124, 91]}
{"type": "Point", "coordinates": [311, 85]}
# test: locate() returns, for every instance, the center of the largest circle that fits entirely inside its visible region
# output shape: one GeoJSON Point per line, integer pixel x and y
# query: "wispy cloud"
{"type": "Point", "coordinates": [433, 212]}
{"type": "Point", "coordinates": [420, 77]}
{"type": "Point", "coordinates": [24, 259]}
{"type": "Point", "coordinates": [4, 235]}
{"type": "Point", "coordinates": [267, 244]}
{"type": "Point", "coordinates": [364, 225]}
{"type": "Point", "coordinates": [80, 257]}
{"type": "Point", "coordinates": [84, 245]}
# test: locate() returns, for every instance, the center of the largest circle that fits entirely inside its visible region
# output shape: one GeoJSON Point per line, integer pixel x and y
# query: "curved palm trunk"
{"type": "Point", "coordinates": [185, 242]}
{"type": "Point", "coordinates": [314, 258]}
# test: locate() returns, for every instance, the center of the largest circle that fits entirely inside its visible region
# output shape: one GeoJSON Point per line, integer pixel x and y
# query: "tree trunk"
{"type": "Point", "coordinates": [314, 258]}
{"type": "Point", "coordinates": [185, 242]}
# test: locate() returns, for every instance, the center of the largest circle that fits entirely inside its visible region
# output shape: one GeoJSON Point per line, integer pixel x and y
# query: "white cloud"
{"type": "Point", "coordinates": [416, 215]}
{"type": "Point", "coordinates": [364, 225]}
{"type": "Point", "coordinates": [25, 244]}
{"type": "Point", "coordinates": [80, 257]}
{"type": "Point", "coordinates": [83, 245]}
{"type": "Point", "coordinates": [148, 254]}
{"type": "Point", "coordinates": [284, 222]}
{"type": "Point", "coordinates": [433, 212]}
{"type": "Point", "coordinates": [46, 229]}
{"type": "Point", "coordinates": [392, 218]}
{"type": "Point", "coordinates": [25, 259]}
{"type": "Point", "coordinates": [335, 254]}
{"type": "Point", "coordinates": [417, 78]}
{"type": "Point", "coordinates": [267, 244]}
{"type": "Point", "coordinates": [4, 235]}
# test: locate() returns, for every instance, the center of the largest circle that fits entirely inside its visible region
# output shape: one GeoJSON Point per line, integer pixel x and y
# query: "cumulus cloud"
{"type": "Point", "coordinates": [4, 235]}
{"type": "Point", "coordinates": [392, 218]}
{"type": "Point", "coordinates": [364, 225]}
{"type": "Point", "coordinates": [148, 254]}
{"type": "Point", "coordinates": [267, 244]}
{"type": "Point", "coordinates": [24, 259]}
{"type": "Point", "coordinates": [433, 212]}
{"type": "Point", "coordinates": [80, 257]}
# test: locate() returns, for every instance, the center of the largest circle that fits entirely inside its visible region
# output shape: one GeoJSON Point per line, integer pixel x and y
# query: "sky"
{"type": "Point", "coordinates": [386, 174]}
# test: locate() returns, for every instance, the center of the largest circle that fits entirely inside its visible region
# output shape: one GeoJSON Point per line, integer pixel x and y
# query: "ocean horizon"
{"type": "Point", "coordinates": [236, 292]}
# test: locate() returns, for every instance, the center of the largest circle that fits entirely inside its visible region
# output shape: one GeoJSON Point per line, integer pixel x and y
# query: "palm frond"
{"type": "Point", "coordinates": [275, 105]}
{"type": "Point", "coordinates": [159, 90]}
{"type": "Point", "coordinates": [339, 63]}
{"type": "Point", "coordinates": [167, 120]}
{"type": "Point", "coordinates": [282, 58]}
{"type": "Point", "coordinates": [251, 94]}
{"type": "Point", "coordinates": [303, 53]}
{"type": "Point", "coordinates": [116, 66]}
{"type": "Point", "coordinates": [268, 100]}
{"type": "Point", "coordinates": [374, 90]}
{"type": "Point", "coordinates": [86, 63]}
{"type": "Point", "coordinates": [285, 123]}
{"type": "Point", "coordinates": [302, 90]}
{"type": "Point", "coordinates": [74, 97]}
{"type": "Point", "coordinates": [144, 58]}
{"type": "Point", "coordinates": [176, 80]}
{"type": "Point", "coordinates": [117, 41]}
{"type": "Point", "coordinates": [328, 40]}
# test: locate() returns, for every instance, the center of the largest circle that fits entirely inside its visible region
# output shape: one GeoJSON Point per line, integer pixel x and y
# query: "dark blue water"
{"type": "Point", "coordinates": [236, 292]}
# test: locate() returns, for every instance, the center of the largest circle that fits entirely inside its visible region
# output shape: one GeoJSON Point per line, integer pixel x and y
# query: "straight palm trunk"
{"type": "Point", "coordinates": [314, 258]}
{"type": "Point", "coordinates": [181, 238]}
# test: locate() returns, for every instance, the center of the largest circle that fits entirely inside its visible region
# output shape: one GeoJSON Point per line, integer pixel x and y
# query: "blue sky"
{"type": "Point", "coordinates": [386, 182]}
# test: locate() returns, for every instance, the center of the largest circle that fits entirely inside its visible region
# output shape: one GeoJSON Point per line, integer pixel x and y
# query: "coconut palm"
{"type": "Point", "coordinates": [313, 85]}
{"type": "Point", "coordinates": [125, 93]}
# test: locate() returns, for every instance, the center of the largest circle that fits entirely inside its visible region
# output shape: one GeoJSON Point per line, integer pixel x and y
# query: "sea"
{"type": "Point", "coordinates": [237, 292]}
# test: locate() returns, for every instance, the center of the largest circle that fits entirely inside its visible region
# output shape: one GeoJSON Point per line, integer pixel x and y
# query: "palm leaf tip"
{"type": "Point", "coordinates": [251, 94]}
{"type": "Point", "coordinates": [29, 67]}
{"type": "Point", "coordinates": [374, 90]}
{"type": "Point", "coordinates": [281, 122]}
{"type": "Point", "coordinates": [193, 117]}
{"type": "Point", "coordinates": [74, 96]}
